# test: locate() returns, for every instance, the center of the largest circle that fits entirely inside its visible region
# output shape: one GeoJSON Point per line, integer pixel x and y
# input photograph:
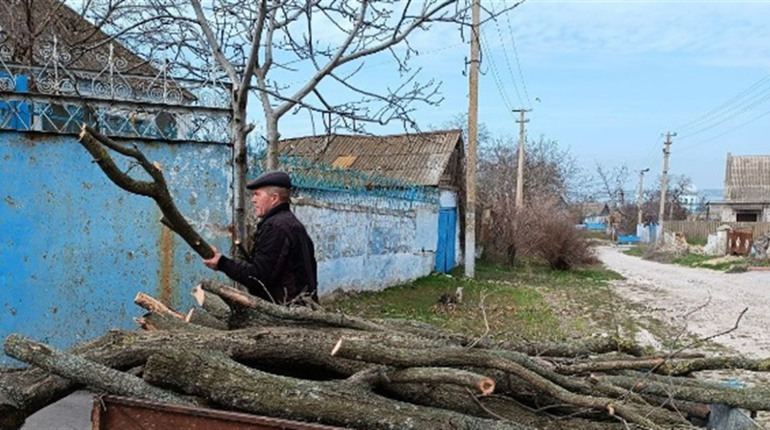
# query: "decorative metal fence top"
{"type": "Point", "coordinates": [52, 96]}
{"type": "Point", "coordinates": [310, 176]}
{"type": "Point", "coordinates": [109, 77]}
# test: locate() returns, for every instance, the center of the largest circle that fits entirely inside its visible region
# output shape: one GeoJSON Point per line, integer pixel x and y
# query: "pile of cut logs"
{"type": "Point", "coordinates": [240, 353]}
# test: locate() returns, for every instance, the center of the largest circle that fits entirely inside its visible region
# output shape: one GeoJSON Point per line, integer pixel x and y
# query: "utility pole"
{"type": "Point", "coordinates": [470, 165]}
{"type": "Point", "coordinates": [520, 169]}
{"type": "Point", "coordinates": [639, 195]}
{"type": "Point", "coordinates": [664, 183]}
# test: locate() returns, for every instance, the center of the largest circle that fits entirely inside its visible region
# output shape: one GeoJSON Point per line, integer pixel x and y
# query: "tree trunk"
{"type": "Point", "coordinates": [271, 129]}
{"type": "Point", "coordinates": [216, 377]}
{"type": "Point", "coordinates": [85, 372]}
{"type": "Point", "coordinates": [238, 130]}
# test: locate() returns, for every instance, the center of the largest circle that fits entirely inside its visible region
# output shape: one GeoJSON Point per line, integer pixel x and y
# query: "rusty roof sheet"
{"type": "Point", "coordinates": [747, 178]}
{"type": "Point", "coordinates": [29, 25]}
{"type": "Point", "coordinates": [418, 159]}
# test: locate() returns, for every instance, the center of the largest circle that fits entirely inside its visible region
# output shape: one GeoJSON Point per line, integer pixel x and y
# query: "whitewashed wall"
{"type": "Point", "coordinates": [368, 243]}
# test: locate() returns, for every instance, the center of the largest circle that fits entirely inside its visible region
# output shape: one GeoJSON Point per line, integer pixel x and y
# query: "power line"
{"type": "Point", "coordinates": [725, 132]}
{"type": "Point", "coordinates": [495, 74]}
{"type": "Point", "coordinates": [508, 62]}
{"type": "Point", "coordinates": [744, 107]}
{"type": "Point", "coordinates": [726, 104]}
{"type": "Point", "coordinates": [649, 158]}
{"type": "Point", "coordinates": [516, 55]}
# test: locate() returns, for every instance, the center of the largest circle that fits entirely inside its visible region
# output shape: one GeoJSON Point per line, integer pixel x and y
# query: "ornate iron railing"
{"type": "Point", "coordinates": [350, 186]}
{"type": "Point", "coordinates": [54, 97]}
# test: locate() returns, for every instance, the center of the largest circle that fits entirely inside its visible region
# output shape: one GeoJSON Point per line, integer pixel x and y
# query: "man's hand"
{"type": "Point", "coordinates": [212, 262]}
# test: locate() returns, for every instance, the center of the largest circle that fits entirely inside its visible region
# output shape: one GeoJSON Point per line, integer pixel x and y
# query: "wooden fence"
{"type": "Point", "coordinates": [701, 229]}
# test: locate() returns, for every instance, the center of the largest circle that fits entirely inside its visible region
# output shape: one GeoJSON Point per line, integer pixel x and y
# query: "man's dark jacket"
{"type": "Point", "coordinates": [282, 262]}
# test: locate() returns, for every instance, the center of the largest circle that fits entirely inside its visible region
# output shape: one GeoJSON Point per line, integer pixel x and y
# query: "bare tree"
{"type": "Point", "coordinates": [549, 176]}
{"type": "Point", "coordinates": [612, 183]}
{"type": "Point", "coordinates": [296, 55]}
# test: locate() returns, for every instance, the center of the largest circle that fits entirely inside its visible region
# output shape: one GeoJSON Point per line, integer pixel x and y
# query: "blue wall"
{"type": "Point", "coordinates": [75, 249]}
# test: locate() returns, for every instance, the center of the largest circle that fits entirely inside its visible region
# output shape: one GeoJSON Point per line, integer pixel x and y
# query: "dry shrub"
{"type": "Point", "coordinates": [543, 230]}
{"type": "Point", "coordinates": [561, 244]}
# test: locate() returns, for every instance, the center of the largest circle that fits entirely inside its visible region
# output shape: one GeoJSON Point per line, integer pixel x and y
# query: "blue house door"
{"type": "Point", "coordinates": [445, 250]}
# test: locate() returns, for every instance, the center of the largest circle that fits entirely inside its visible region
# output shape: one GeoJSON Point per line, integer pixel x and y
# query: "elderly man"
{"type": "Point", "coordinates": [281, 265]}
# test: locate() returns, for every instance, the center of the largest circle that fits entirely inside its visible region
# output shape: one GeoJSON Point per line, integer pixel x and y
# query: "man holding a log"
{"type": "Point", "coordinates": [281, 265]}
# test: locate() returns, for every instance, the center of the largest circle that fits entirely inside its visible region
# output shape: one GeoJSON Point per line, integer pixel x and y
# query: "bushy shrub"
{"type": "Point", "coordinates": [561, 244]}
{"type": "Point", "coordinates": [543, 230]}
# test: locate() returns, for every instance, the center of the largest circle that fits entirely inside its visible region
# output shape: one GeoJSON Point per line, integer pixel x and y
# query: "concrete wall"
{"type": "Point", "coordinates": [368, 243]}
{"type": "Point", "coordinates": [727, 213]}
{"type": "Point", "coordinates": [75, 249]}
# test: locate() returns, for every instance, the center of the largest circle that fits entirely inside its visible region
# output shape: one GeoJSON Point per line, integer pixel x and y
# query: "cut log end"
{"type": "Point", "coordinates": [199, 295]}
{"type": "Point", "coordinates": [486, 386]}
{"type": "Point", "coordinates": [337, 347]}
{"type": "Point", "coordinates": [154, 305]}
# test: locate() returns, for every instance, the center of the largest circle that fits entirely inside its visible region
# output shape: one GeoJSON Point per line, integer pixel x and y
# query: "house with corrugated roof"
{"type": "Point", "coordinates": [747, 190]}
{"type": "Point", "coordinates": [392, 211]}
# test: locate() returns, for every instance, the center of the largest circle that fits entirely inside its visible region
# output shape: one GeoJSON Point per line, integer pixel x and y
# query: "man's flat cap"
{"type": "Point", "coordinates": [275, 178]}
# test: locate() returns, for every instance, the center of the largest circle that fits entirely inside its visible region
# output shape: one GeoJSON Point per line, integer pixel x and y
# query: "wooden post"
{"type": "Point", "coordinates": [470, 167]}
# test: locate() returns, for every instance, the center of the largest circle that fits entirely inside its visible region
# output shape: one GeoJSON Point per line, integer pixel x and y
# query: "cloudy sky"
{"type": "Point", "coordinates": [607, 78]}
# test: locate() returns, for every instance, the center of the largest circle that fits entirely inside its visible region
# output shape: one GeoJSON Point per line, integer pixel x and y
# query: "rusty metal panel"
{"type": "Point", "coordinates": [739, 242]}
{"type": "Point", "coordinates": [120, 413]}
{"type": "Point", "coordinates": [75, 248]}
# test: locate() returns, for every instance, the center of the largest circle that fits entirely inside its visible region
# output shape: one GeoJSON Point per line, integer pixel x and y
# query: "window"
{"type": "Point", "coordinates": [747, 216]}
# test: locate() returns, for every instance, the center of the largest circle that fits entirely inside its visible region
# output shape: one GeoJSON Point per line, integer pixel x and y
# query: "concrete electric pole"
{"type": "Point", "coordinates": [664, 183]}
{"type": "Point", "coordinates": [520, 168]}
{"type": "Point", "coordinates": [470, 162]}
{"type": "Point", "coordinates": [639, 196]}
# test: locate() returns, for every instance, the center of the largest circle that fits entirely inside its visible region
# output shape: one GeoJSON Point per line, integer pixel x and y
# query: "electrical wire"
{"type": "Point", "coordinates": [508, 63]}
{"type": "Point", "coordinates": [732, 100]}
{"type": "Point", "coordinates": [495, 75]}
{"type": "Point", "coordinates": [516, 55]}
{"type": "Point", "coordinates": [723, 133]}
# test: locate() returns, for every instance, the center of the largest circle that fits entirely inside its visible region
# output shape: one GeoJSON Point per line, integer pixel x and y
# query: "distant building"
{"type": "Point", "coordinates": [692, 200]}
{"type": "Point", "coordinates": [747, 190]}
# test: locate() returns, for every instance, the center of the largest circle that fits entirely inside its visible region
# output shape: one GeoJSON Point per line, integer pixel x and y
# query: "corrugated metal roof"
{"type": "Point", "coordinates": [418, 159]}
{"type": "Point", "coordinates": [747, 178]}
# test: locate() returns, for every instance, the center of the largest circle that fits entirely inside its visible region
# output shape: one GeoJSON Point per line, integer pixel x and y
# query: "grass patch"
{"type": "Point", "coordinates": [636, 251]}
{"type": "Point", "coordinates": [693, 260]}
{"type": "Point", "coordinates": [696, 241]}
{"type": "Point", "coordinates": [596, 234]}
{"type": "Point", "coordinates": [528, 302]}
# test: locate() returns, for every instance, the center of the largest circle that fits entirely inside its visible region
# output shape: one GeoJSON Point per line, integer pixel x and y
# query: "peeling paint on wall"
{"type": "Point", "coordinates": [371, 245]}
{"type": "Point", "coordinates": [166, 247]}
{"type": "Point", "coordinates": [75, 249]}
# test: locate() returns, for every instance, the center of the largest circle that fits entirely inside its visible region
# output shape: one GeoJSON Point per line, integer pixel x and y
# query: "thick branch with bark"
{"type": "Point", "coordinates": [226, 382]}
{"type": "Point", "coordinates": [97, 144]}
{"type": "Point", "coordinates": [85, 372]}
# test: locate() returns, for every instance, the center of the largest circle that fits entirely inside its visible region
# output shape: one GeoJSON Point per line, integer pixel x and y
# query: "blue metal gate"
{"type": "Point", "coordinates": [445, 250]}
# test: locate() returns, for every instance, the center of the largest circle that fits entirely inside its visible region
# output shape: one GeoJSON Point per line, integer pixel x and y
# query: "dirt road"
{"type": "Point", "coordinates": [675, 293]}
